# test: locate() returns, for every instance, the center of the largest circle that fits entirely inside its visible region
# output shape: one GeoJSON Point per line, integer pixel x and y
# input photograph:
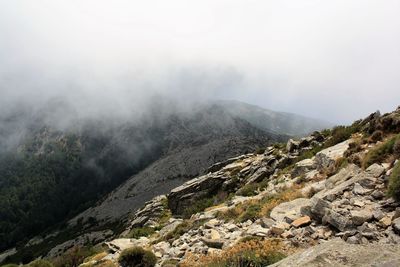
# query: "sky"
{"type": "Point", "coordinates": [335, 60]}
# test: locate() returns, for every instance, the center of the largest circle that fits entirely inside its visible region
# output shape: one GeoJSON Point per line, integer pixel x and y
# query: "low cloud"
{"type": "Point", "coordinates": [335, 60]}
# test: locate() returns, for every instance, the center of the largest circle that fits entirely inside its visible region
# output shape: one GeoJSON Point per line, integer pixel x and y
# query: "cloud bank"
{"type": "Point", "coordinates": [335, 60]}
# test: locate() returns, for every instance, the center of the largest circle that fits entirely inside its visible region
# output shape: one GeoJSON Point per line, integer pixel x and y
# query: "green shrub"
{"type": "Point", "coordinates": [396, 148]}
{"type": "Point", "coordinates": [381, 152]}
{"type": "Point", "coordinates": [198, 206]}
{"type": "Point", "coordinates": [394, 182]}
{"type": "Point", "coordinates": [376, 136]}
{"type": "Point", "coordinates": [342, 133]}
{"type": "Point", "coordinates": [10, 265]}
{"type": "Point", "coordinates": [141, 231]}
{"type": "Point", "coordinates": [251, 212]}
{"type": "Point", "coordinates": [248, 190]}
{"type": "Point", "coordinates": [74, 256]}
{"type": "Point", "coordinates": [137, 257]}
{"type": "Point", "coordinates": [40, 263]}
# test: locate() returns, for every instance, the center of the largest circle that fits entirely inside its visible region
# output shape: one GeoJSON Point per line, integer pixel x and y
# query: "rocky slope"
{"type": "Point", "coordinates": [326, 199]}
{"type": "Point", "coordinates": [54, 164]}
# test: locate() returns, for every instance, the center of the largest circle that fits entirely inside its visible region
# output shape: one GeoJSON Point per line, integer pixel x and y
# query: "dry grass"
{"type": "Point", "coordinates": [250, 253]}
{"type": "Point", "coordinates": [254, 209]}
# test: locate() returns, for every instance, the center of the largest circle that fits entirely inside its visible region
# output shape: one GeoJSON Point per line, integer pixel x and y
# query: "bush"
{"type": "Point", "coordinates": [252, 253]}
{"type": "Point", "coordinates": [394, 182]}
{"type": "Point", "coordinates": [342, 133]}
{"type": "Point", "coordinates": [40, 263]}
{"type": "Point", "coordinates": [198, 206]}
{"type": "Point", "coordinates": [10, 265]}
{"type": "Point", "coordinates": [137, 257]}
{"type": "Point", "coordinates": [74, 256]}
{"type": "Point", "coordinates": [396, 148]}
{"type": "Point", "coordinates": [141, 231]}
{"type": "Point", "coordinates": [376, 136]}
{"type": "Point", "coordinates": [381, 152]}
{"type": "Point", "coordinates": [248, 190]}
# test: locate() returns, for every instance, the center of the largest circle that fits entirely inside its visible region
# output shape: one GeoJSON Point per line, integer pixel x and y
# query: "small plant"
{"type": "Point", "coordinates": [252, 253]}
{"type": "Point", "coordinates": [376, 136]}
{"type": "Point", "coordinates": [255, 209]}
{"type": "Point", "coordinates": [198, 206]}
{"type": "Point", "coordinates": [137, 257]}
{"type": "Point", "coordinates": [396, 148]}
{"type": "Point", "coordinates": [380, 152]}
{"type": "Point", "coordinates": [248, 190]}
{"type": "Point", "coordinates": [341, 163]}
{"type": "Point", "coordinates": [141, 231]}
{"type": "Point", "coordinates": [394, 182]}
{"type": "Point", "coordinates": [40, 263]}
{"type": "Point", "coordinates": [342, 133]}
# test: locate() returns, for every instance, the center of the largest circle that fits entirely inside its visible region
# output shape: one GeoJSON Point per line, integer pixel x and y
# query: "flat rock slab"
{"type": "Point", "coordinates": [302, 221]}
{"type": "Point", "coordinates": [336, 252]}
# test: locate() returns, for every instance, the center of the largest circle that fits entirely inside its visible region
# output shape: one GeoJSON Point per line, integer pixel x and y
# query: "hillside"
{"type": "Point", "coordinates": [54, 165]}
{"type": "Point", "coordinates": [297, 204]}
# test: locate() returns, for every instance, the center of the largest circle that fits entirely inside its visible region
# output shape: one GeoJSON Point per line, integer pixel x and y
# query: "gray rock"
{"type": "Point", "coordinates": [378, 214]}
{"type": "Point", "coordinates": [267, 222]}
{"type": "Point", "coordinates": [337, 220]}
{"type": "Point", "coordinates": [359, 190]}
{"type": "Point", "coordinates": [396, 226]}
{"type": "Point", "coordinates": [185, 195]}
{"type": "Point", "coordinates": [257, 230]}
{"type": "Point", "coordinates": [336, 252]}
{"type": "Point", "coordinates": [318, 208]}
{"type": "Point", "coordinates": [327, 157]}
{"type": "Point", "coordinates": [292, 145]}
{"type": "Point", "coordinates": [376, 170]}
{"type": "Point", "coordinates": [213, 243]}
{"type": "Point", "coordinates": [361, 216]}
{"type": "Point", "coordinates": [290, 209]}
{"type": "Point", "coordinates": [303, 167]}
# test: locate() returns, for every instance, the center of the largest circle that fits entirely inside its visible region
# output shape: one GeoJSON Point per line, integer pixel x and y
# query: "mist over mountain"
{"type": "Point", "coordinates": [62, 163]}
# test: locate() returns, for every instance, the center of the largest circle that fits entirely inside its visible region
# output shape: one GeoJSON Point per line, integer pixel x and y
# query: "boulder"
{"type": "Point", "coordinates": [361, 216]}
{"type": "Point", "coordinates": [279, 228]}
{"type": "Point", "coordinates": [359, 190]}
{"type": "Point", "coordinates": [303, 167]}
{"type": "Point", "coordinates": [150, 213]}
{"type": "Point", "coordinates": [337, 220]}
{"type": "Point", "coordinates": [317, 208]}
{"type": "Point", "coordinates": [170, 227]}
{"type": "Point", "coordinates": [327, 157]}
{"type": "Point", "coordinates": [396, 226]}
{"type": "Point", "coordinates": [292, 145]}
{"type": "Point", "coordinates": [376, 170]}
{"type": "Point", "coordinates": [219, 165]}
{"type": "Point", "coordinates": [268, 168]}
{"type": "Point", "coordinates": [182, 197]}
{"type": "Point", "coordinates": [257, 230]}
{"type": "Point", "coordinates": [336, 252]}
{"type": "Point", "coordinates": [120, 244]}
{"type": "Point", "coordinates": [343, 175]}
{"type": "Point", "coordinates": [291, 209]}
{"type": "Point", "coordinates": [213, 243]}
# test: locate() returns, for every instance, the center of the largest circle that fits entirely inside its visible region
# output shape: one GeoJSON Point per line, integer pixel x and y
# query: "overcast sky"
{"type": "Point", "coordinates": [337, 60]}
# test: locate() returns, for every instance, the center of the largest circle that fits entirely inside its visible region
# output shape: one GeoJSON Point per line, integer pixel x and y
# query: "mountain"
{"type": "Point", "coordinates": [55, 164]}
{"type": "Point", "coordinates": [278, 122]}
{"type": "Point", "coordinates": [332, 197]}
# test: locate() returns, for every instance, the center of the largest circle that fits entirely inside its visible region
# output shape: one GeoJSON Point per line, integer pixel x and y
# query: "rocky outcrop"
{"type": "Point", "coordinates": [327, 158]}
{"type": "Point", "coordinates": [150, 214]}
{"type": "Point", "coordinates": [185, 195]}
{"type": "Point", "coordinates": [336, 252]}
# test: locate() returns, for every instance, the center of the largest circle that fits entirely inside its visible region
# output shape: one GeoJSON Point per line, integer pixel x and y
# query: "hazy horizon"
{"type": "Point", "coordinates": [337, 61]}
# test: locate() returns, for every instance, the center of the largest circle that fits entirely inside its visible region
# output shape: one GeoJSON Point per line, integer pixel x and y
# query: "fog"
{"type": "Point", "coordinates": [333, 60]}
